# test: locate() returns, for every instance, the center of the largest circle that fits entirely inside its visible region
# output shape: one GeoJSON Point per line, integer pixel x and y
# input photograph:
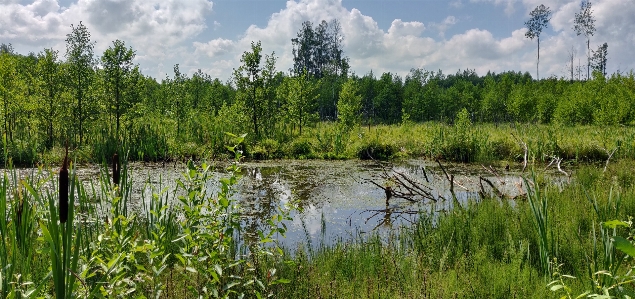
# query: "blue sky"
{"type": "Point", "coordinates": [380, 35]}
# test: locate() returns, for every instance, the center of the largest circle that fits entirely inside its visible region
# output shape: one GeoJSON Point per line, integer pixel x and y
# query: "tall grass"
{"type": "Point", "coordinates": [490, 249]}
{"type": "Point", "coordinates": [92, 244]}
{"type": "Point", "coordinates": [154, 138]}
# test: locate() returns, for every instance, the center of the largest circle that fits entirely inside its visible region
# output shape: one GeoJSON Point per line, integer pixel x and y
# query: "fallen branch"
{"type": "Point", "coordinates": [609, 158]}
{"type": "Point", "coordinates": [496, 190]}
{"type": "Point", "coordinates": [557, 161]}
{"type": "Point", "coordinates": [526, 150]}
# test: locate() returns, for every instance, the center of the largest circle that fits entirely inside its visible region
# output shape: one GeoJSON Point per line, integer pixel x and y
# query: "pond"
{"type": "Point", "coordinates": [337, 200]}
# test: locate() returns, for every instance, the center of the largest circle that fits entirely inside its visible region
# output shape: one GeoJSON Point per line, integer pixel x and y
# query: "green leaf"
{"type": "Point", "coordinates": [223, 202]}
{"type": "Point", "coordinates": [615, 223]}
{"type": "Point", "coordinates": [556, 287]}
{"type": "Point", "coordinates": [624, 245]}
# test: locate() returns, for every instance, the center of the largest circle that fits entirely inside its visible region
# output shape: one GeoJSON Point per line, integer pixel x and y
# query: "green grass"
{"type": "Point", "coordinates": [490, 249]}
{"type": "Point", "coordinates": [105, 250]}
{"type": "Point", "coordinates": [155, 139]}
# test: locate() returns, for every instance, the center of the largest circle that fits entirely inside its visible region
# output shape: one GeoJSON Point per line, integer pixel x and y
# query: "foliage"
{"type": "Point", "coordinates": [348, 106]}
{"type": "Point", "coordinates": [584, 24]}
{"type": "Point", "coordinates": [539, 20]}
{"type": "Point", "coordinates": [46, 99]}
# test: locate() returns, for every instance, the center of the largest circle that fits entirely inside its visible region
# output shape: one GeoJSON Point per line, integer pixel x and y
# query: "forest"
{"type": "Point", "coordinates": [99, 101]}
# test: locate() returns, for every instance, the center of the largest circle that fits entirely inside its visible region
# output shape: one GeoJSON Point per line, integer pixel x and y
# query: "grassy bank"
{"type": "Point", "coordinates": [198, 247]}
{"type": "Point", "coordinates": [461, 142]}
{"type": "Point", "coordinates": [63, 238]}
{"type": "Point", "coordinates": [487, 249]}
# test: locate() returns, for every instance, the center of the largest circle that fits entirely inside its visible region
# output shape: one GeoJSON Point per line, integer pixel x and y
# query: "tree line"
{"type": "Point", "coordinates": [51, 98]}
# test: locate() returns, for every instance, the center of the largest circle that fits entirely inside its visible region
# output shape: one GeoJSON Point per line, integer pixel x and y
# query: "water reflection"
{"type": "Point", "coordinates": [335, 199]}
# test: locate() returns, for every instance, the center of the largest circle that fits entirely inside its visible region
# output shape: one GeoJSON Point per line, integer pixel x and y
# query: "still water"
{"type": "Point", "coordinates": [336, 199]}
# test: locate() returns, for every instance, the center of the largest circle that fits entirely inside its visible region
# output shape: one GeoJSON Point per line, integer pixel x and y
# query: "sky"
{"type": "Point", "coordinates": [379, 35]}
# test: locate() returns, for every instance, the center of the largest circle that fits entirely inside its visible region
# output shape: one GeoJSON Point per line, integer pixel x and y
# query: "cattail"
{"type": "Point", "coordinates": [20, 207]}
{"type": "Point", "coordinates": [63, 189]}
{"type": "Point", "coordinates": [116, 172]}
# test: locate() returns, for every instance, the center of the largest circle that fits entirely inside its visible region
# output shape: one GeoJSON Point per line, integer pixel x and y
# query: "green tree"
{"type": "Point", "coordinates": [539, 20]}
{"type": "Point", "coordinates": [177, 94]}
{"type": "Point", "coordinates": [248, 80]}
{"type": "Point", "coordinates": [584, 24]}
{"type": "Point", "coordinates": [9, 85]}
{"type": "Point", "coordinates": [349, 106]}
{"type": "Point", "coordinates": [301, 96]}
{"type": "Point", "coordinates": [271, 79]}
{"type": "Point", "coordinates": [598, 61]}
{"type": "Point", "coordinates": [79, 55]}
{"type": "Point", "coordinates": [117, 64]}
{"type": "Point", "coordinates": [318, 50]}
{"type": "Point", "coordinates": [50, 75]}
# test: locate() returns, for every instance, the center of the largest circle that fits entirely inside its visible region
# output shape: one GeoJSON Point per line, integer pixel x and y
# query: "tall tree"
{"type": "Point", "coordinates": [270, 81]}
{"type": "Point", "coordinates": [177, 91]}
{"type": "Point", "coordinates": [319, 50]}
{"type": "Point", "coordinates": [584, 24]}
{"type": "Point", "coordinates": [300, 94]}
{"type": "Point", "coordinates": [8, 87]}
{"type": "Point", "coordinates": [51, 85]}
{"type": "Point", "coordinates": [79, 55]}
{"type": "Point", "coordinates": [349, 106]}
{"type": "Point", "coordinates": [598, 61]}
{"type": "Point", "coordinates": [539, 20]}
{"type": "Point", "coordinates": [117, 63]}
{"type": "Point", "coordinates": [248, 80]}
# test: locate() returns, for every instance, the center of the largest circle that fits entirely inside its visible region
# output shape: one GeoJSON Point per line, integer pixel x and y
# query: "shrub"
{"type": "Point", "coordinates": [376, 150]}
{"type": "Point", "coordinates": [266, 149]}
{"type": "Point", "coordinates": [300, 148]}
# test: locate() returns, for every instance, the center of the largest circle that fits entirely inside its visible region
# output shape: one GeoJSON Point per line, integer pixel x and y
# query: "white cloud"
{"type": "Point", "coordinates": [400, 28]}
{"type": "Point", "coordinates": [150, 26]}
{"type": "Point", "coordinates": [165, 32]}
{"type": "Point", "coordinates": [214, 48]}
{"type": "Point", "coordinates": [444, 25]}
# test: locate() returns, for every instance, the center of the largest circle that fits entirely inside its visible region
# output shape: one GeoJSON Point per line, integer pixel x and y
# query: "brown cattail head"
{"type": "Point", "coordinates": [63, 189]}
{"type": "Point", "coordinates": [116, 172]}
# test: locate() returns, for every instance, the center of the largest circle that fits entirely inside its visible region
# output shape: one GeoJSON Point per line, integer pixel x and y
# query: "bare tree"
{"type": "Point", "coordinates": [539, 20]}
{"type": "Point", "coordinates": [571, 63]}
{"type": "Point", "coordinates": [584, 24]}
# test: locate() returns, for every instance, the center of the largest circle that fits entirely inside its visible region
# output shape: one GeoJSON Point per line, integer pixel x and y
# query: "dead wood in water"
{"type": "Point", "coordinates": [400, 185]}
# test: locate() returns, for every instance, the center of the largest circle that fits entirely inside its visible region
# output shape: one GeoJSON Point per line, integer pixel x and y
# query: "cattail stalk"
{"type": "Point", "coordinates": [116, 171]}
{"type": "Point", "coordinates": [63, 189]}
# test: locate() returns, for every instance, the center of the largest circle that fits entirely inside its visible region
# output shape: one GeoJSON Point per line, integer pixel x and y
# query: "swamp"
{"type": "Point", "coordinates": [312, 183]}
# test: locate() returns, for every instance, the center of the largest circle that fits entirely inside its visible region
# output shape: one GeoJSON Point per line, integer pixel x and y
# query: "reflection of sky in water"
{"type": "Point", "coordinates": [337, 202]}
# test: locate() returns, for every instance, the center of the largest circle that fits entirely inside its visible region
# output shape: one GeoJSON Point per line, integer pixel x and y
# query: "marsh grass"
{"type": "Point", "coordinates": [154, 138]}
{"type": "Point", "coordinates": [105, 250]}
{"type": "Point", "coordinates": [490, 249]}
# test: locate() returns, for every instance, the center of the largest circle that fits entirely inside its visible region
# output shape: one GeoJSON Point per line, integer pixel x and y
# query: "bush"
{"type": "Point", "coordinates": [376, 150]}
{"type": "Point", "coordinates": [266, 149]}
{"type": "Point", "coordinates": [300, 148]}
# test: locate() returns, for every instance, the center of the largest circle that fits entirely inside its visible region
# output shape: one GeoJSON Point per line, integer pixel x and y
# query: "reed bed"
{"type": "Point", "coordinates": [557, 241]}
{"type": "Point", "coordinates": [81, 240]}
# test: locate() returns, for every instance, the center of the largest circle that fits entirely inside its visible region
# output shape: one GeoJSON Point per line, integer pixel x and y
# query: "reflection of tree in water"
{"type": "Point", "coordinates": [263, 190]}
{"type": "Point", "coordinates": [389, 215]}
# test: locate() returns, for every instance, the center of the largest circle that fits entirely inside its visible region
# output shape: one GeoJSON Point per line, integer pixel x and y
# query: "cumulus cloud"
{"type": "Point", "coordinates": [149, 25]}
{"type": "Point", "coordinates": [214, 48]}
{"type": "Point", "coordinates": [167, 32]}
